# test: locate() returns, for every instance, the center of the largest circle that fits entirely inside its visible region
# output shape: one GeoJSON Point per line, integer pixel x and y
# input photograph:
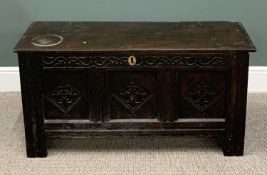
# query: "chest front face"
{"type": "Point", "coordinates": [136, 90]}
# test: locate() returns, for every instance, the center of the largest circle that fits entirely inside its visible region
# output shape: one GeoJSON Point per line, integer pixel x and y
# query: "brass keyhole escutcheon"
{"type": "Point", "coordinates": [132, 60]}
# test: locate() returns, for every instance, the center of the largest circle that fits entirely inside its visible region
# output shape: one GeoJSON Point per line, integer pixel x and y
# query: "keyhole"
{"type": "Point", "coordinates": [132, 60]}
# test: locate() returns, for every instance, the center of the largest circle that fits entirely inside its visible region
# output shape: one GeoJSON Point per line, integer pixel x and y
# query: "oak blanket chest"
{"type": "Point", "coordinates": [81, 79]}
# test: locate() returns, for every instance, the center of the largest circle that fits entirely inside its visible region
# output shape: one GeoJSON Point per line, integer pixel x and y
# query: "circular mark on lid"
{"type": "Point", "coordinates": [47, 40]}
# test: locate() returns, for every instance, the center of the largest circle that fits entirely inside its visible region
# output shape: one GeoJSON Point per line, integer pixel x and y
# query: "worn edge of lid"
{"type": "Point", "coordinates": [16, 48]}
{"type": "Point", "coordinates": [252, 45]}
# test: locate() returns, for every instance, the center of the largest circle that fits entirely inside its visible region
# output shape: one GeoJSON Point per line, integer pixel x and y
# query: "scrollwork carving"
{"type": "Point", "coordinates": [194, 61]}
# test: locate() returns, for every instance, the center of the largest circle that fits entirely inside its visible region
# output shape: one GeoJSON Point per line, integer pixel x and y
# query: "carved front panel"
{"type": "Point", "coordinates": [202, 94]}
{"type": "Point", "coordinates": [65, 95]}
{"type": "Point", "coordinates": [142, 61]}
{"type": "Point", "coordinates": [132, 94]}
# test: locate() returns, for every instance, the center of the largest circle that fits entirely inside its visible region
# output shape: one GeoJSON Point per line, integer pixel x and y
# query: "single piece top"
{"type": "Point", "coordinates": [135, 36]}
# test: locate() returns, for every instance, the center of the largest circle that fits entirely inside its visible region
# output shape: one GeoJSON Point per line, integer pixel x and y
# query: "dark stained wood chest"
{"type": "Point", "coordinates": [81, 79]}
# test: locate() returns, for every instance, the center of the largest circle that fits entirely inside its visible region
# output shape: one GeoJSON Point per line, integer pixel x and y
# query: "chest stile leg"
{"type": "Point", "coordinates": [236, 115]}
{"type": "Point", "coordinates": [31, 89]}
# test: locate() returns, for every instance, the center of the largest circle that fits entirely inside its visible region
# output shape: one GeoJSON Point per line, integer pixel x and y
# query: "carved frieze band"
{"type": "Point", "coordinates": [194, 61]}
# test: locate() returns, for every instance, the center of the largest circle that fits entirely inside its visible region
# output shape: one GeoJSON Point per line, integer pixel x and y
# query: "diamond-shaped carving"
{"type": "Point", "coordinates": [201, 95]}
{"type": "Point", "coordinates": [133, 96]}
{"type": "Point", "coordinates": [64, 97]}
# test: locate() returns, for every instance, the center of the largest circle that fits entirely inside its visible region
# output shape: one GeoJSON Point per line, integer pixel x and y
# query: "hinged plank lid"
{"type": "Point", "coordinates": [135, 36]}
